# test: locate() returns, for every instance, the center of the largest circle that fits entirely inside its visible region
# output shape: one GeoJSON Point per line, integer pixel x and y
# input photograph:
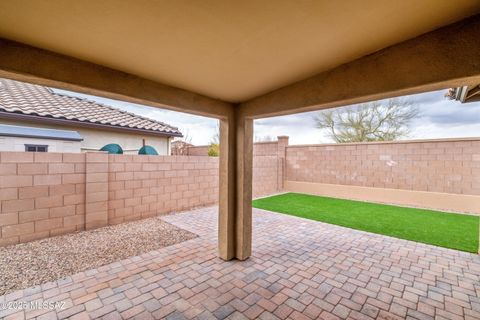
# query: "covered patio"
{"type": "Point", "coordinates": [300, 269]}
{"type": "Point", "coordinates": [236, 62]}
{"type": "Point", "coordinates": [181, 57]}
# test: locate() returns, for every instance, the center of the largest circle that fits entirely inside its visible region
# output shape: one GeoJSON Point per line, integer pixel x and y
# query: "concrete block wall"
{"type": "Point", "coordinates": [269, 148]}
{"type": "Point", "coordinates": [261, 149]}
{"type": "Point", "coordinates": [268, 165]}
{"type": "Point", "coordinates": [198, 150]}
{"type": "Point", "coordinates": [96, 190]}
{"type": "Point", "coordinates": [41, 195]}
{"type": "Point", "coordinates": [445, 166]}
{"type": "Point", "coordinates": [48, 194]}
{"type": "Point", "coordinates": [265, 175]}
{"type": "Point", "coordinates": [144, 186]}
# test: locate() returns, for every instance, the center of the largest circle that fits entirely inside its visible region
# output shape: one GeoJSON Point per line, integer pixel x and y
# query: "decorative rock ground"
{"type": "Point", "coordinates": [40, 261]}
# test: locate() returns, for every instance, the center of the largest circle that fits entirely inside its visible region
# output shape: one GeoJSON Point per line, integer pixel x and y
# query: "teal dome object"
{"type": "Point", "coordinates": [112, 148]}
{"type": "Point", "coordinates": [148, 150]}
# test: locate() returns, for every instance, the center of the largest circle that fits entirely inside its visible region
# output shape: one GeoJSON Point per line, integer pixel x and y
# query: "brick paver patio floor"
{"type": "Point", "coordinates": [299, 269]}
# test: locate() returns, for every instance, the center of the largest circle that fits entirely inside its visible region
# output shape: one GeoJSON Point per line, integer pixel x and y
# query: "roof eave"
{"type": "Point", "coordinates": [39, 137]}
{"type": "Point", "coordinates": [467, 94]}
{"type": "Point", "coordinates": [68, 122]}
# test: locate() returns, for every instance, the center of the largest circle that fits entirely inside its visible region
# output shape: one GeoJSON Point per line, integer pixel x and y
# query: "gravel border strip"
{"type": "Point", "coordinates": [33, 263]}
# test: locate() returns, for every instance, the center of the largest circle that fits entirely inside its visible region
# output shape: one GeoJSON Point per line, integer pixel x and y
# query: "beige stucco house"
{"type": "Point", "coordinates": [35, 118]}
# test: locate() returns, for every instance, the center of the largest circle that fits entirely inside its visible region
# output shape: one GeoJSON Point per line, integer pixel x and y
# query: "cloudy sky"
{"type": "Point", "coordinates": [439, 118]}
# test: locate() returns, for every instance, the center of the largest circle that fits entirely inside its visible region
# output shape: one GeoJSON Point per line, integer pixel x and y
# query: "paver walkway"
{"type": "Point", "coordinates": [300, 269]}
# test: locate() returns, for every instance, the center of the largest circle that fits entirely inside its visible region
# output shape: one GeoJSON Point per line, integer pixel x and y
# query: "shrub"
{"type": "Point", "coordinates": [213, 150]}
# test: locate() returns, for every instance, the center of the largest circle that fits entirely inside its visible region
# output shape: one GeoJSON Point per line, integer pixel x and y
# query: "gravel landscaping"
{"type": "Point", "coordinates": [28, 264]}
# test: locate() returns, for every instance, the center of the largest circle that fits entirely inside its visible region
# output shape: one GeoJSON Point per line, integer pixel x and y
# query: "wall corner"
{"type": "Point", "coordinates": [282, 143]}
{"type": "Point", "coordinates": [96, 190]}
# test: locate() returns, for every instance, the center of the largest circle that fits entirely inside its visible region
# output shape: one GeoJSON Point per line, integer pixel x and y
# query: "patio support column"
{"type": "Point", "coordinates": [235, 204]}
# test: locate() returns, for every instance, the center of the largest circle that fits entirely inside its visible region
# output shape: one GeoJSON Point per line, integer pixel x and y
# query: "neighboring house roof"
{"type": "Point", "coordinates": [39, 133]}
{"type": "Point", "coordinates": [29, 101]}
{"type": "Point", "coordinates": [465, 94]}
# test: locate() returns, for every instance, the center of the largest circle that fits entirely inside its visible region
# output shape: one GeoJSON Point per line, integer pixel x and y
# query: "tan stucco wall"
{"type": "Point", "coordinates": [130, 142]}
{"type": "Point", "coordinates": [433, 200]}
{"type": "Point", "coordinates": [94, 139]}
{"type": "Point", "coordinates": [18, 144]}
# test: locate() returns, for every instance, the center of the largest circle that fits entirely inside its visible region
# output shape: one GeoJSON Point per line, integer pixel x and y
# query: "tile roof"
{"type": "Point", "coordinates": [34, 100]}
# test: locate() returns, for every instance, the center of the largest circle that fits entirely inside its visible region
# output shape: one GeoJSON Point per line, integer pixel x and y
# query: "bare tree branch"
{"type": "Point", "coordinates": [372, 121]}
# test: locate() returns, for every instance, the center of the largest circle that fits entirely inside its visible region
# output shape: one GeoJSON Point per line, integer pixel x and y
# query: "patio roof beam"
{"type": "Point", "coordinates": [446, 57]}
{"type": "Point", "coordinates": [29, 64]}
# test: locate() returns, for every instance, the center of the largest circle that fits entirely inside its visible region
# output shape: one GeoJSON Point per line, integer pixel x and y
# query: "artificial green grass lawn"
{"type": "Point", "coordinates": [455, 231]}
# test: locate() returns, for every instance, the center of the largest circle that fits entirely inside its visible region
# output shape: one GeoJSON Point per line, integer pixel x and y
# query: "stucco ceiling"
{"type": "Point", "coordinates": [231, 50]}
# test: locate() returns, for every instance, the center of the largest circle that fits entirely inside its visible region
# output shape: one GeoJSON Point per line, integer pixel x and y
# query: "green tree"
{"type": "Point", "coordinates": [214, 148]}
{"type": "Point", "coordinates": [373, 121]}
